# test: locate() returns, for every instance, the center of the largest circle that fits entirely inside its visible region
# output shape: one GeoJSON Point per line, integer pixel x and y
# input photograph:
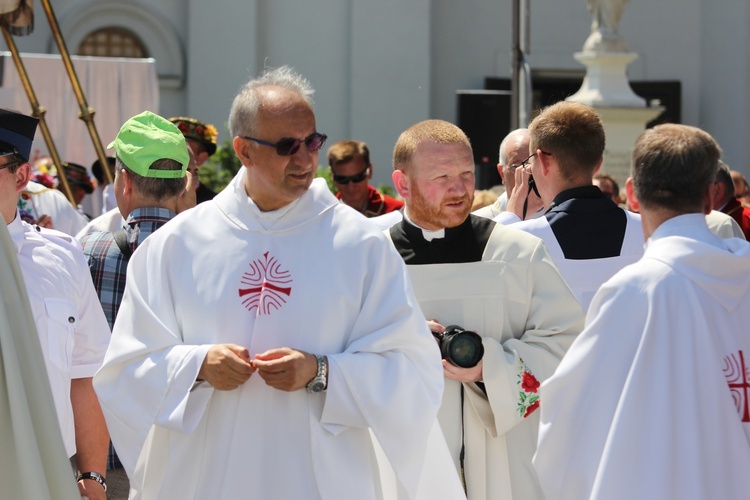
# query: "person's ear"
{"type": "Point", "coordinates": [632, 200]}
{"type": "Point", "coordinates": [500, 171]}
{"type": "Point", "coordinates": [717, 192]}
{"type": "Point", "coordinates": [242, 148]}
{"type": "Point", "coordinates": [201, 158]}
{"type": "Point", "coordinates": [369, 176]}
{"type": "Point", "coordinates": [545, 162]}
{"type": "Point", "coordinates": [22, 176]}
{"type": "Point", "coordinates": [401, 182]}
{"type": "Point", "coordinates": [127, 183]}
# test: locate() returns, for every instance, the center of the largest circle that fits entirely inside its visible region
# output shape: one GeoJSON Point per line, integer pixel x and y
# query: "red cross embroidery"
{"type": "Point", "coordinates": [266, 283]}
{"type": "Point", "coordinates": [736, 374]}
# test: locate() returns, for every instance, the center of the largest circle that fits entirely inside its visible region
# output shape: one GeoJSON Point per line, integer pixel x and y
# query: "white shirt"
{"type": "Point", "coordinates": [72, 329]}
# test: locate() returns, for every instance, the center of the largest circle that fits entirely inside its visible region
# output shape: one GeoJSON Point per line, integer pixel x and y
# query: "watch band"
{"type": "Point", "coordinates": [94, 476]}
{"type": "Point", "coordinates": [320, 381]}
{"type": "Point", "coordinates": [322, 370]}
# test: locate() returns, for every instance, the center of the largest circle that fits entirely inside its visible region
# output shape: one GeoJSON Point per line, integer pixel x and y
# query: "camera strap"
{"type": "Point", "coordinates": [463, 443]}
{"type": "Point", "coordinates": [121, 240]}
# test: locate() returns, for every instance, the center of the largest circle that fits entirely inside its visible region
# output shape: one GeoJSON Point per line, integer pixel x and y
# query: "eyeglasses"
{"type": "Point", "coordinates": [287, 146]}
{"type": "Point", "coordinates": [346, 179]}
{"type": "Point", "coordinates": [526, 165]}
{"type": "Point", "coordinates": [10, 164]}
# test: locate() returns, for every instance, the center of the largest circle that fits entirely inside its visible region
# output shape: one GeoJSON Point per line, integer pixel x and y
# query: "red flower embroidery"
{"type": "Point", "coordinates": [531, 408]}
{"type": "Point", "coordinates": [529, 383]}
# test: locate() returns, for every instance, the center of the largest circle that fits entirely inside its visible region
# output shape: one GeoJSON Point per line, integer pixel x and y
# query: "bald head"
{"type": "Point", "coordinates": [513, 150]}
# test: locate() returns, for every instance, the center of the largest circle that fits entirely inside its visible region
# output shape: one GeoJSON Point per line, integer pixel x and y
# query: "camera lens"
{"type": "Point", "coordinates": [460, 347]}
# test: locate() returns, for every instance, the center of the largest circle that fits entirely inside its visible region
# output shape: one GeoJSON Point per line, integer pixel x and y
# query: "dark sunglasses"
{"type": "Point", "coordinates": [287, 146]}
{"type": "Point", "coordinates": [346, 179]}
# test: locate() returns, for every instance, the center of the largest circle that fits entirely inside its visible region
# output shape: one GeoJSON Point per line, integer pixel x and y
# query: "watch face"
{"type": "Point", "coordinates": [317, 386]}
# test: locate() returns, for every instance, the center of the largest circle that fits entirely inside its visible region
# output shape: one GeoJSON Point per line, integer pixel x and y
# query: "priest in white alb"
{"type": "Point", "coordinates": [651, 401]}
{"type": "Point", "coordinates": [267, 336]}
{"type": "Point", "coordinates": [497, 282]}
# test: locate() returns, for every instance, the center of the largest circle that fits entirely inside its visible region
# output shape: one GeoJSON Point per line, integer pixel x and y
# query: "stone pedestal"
{"type": "Point", "coordinates": [623, 113]}
{"type": "Point", "coordinates": [606, 81]}
{"type": "Point", "coordinates": [622, 126]}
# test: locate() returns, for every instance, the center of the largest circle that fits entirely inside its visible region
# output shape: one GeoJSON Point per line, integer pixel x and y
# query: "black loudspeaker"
{"type": "Point", "coordinates": [484, 116]}
{"type": "Point", "coordinates": [549, 90]}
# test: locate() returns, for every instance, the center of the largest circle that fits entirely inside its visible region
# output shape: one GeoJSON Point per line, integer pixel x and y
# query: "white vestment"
{"type": "Point", "coordinates": [109, 201]}
{"type": "Point", "coordinates": [493, 209]}
{"type": "Point", "coordinates": [385, 221]}
{"type": "Point", "coordinates": [651, 401]}
{"type": "Point", "coordinates": [516, 300]}
{"type": "Point", "coordinates": [108, 222]}
{"type": "Point", "coordinates": [723, 225]}
{"type": "Point", "coordinates": [39, 200]}
{"type": "Point", "coordinates": [585, 276]}
{"type": "Point", "coordinates": [312, 276]}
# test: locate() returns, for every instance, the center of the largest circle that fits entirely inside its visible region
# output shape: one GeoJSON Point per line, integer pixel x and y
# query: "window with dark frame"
{"type": "Point", "coordinates": [112, 42]}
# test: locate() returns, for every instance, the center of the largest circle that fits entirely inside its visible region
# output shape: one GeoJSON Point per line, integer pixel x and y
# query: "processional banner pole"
{"type": "Point", "coordinates": [87, 113]}
{"type": "Point", "coordinates": [39, 112]}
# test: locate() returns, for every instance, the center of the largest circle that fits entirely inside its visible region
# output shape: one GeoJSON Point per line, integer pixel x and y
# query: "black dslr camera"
{"type": "Point", "coordinates": [460, 347]}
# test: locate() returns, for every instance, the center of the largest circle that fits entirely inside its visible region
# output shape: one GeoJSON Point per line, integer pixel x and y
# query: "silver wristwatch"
{"type": "Point", "coordinates": [319, 381]}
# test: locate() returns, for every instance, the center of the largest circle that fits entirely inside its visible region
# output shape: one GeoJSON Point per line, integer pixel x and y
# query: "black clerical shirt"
{"type": "Point", "coordinates": [587, 224]}
{"type": "Point", "coordinates": [463, 243]}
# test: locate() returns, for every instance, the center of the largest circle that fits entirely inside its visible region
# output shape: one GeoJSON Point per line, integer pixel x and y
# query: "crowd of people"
{"type": "Point", "coordinates": [277, 341]}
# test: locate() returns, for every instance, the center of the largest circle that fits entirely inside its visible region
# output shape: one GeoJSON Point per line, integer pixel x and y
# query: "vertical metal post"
{"type": "Point", "coordinates": [86, 114]}
{"type": "Point", "coordinates": [525, 96]}
{"type": "Point", "coordinates": [515, 109]}
{"type": "Point", "coordinates": [39, 112]}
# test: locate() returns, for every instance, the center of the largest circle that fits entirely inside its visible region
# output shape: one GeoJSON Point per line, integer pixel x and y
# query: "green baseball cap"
{"type": "Point", "coordinates": [146, 138]}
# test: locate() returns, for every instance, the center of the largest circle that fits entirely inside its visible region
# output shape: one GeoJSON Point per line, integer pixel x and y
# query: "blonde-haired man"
{"type": "Point", "coordinates": [498, 282]}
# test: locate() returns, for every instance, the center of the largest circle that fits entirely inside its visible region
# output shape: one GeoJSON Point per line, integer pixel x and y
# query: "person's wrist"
{"type": "Point", "coordinates": [93, 476]}
{"type": "Point", "coordinates": [319, 382]}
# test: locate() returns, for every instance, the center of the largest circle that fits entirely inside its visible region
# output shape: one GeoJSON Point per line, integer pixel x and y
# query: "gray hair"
{"type": "Point", "coordinates": [155, 188]}
{"type": "Point", "coordinates": [248, 100]}
{"type": "Point", "coordinates": [725, 177]}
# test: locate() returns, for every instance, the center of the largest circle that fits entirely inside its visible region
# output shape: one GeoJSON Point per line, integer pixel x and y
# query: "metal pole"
{"type": "Point", "coordinates": [525, 96]}
{"type": "Point", "coordinates": [39, 112]}
{"type": "Point", "coordinates": [86, 114]}
{"type": "Point", "coordinates": [515, 109]}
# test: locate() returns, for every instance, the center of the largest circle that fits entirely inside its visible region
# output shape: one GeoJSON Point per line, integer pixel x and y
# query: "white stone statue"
{"type": "Point", "coordinates": [606, 16]}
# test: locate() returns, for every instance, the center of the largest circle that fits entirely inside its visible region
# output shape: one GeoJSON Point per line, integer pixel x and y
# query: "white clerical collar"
{"type": "Point", "coordinates": [427, 234]}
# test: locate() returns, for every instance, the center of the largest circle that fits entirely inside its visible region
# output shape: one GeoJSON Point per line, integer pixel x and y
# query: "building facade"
{"type": "Point", "coordinates": [379, 67]}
